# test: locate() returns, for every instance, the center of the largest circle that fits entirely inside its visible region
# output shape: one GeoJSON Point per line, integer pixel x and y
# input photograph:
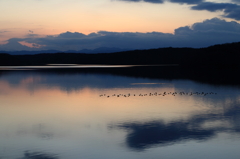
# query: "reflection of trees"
{"type": "Point", "coordinates": [37, 155]}
{"type": "Point", "coordinates": [69, 79]}
{"type": "Point", "coordinates": [145, 135]}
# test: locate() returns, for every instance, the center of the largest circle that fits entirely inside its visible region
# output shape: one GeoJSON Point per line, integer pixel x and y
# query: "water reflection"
{"type": "Point", "coordinates": [71, 82]}
{"type": "Point", "coordinates": [69, 116]}
{"type": "Point", "coordinates": [198, 127]}
{"type": "Point", "coordinates": [37, 155]}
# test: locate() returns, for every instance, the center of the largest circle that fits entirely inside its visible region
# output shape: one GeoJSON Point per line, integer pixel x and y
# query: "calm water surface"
{"type": "Point", "coordinates": [92, 116]}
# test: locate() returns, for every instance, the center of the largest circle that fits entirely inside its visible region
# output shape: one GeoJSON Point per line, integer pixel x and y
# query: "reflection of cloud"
{"type": "Point", "coordinates": [71, 81]}
{"type": "Point", "coordinates": [40, 131]}
{"type": "Point", "coordinates": [146, 135]}
{"type": "Point", "coordinates": [38, 155]}
{"type": "Point", "coordinates": [199, 127]}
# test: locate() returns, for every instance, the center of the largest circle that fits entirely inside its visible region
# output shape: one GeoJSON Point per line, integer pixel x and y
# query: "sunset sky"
{"type": "Point", "coordinates": [127, 24]}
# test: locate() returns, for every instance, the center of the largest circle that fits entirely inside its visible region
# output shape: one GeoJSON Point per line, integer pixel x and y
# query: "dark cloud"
{"type": "Point", "coordinates": [132, 0]}
{"type": "Point", "coordinates": [212, 7]}
{"type": "Point", "coordinates": [214, 24]}
{"type": "Point", "coordinates": [71, 35]}
{"type": "Point", "coordinates": [232, 13]}
{"type": "Point", "coordinates": [187, 1]}
{"type": "Point", "coordinates": [202, 34]}
{"type": "Point", "coordinates": [149, 1]}
{"type": "Point", "coordinates": [236, 1]}
{"type": "Point", "coordinates": [102, 39]}
{"type": "Point", "coordinates": [162, 1]}
{"type": "Point", "coordinates": [154, 1]}
{"type": "Point", "coordinates": [208, 32]}
{"type": "Point", "coordinates": [230, 10]}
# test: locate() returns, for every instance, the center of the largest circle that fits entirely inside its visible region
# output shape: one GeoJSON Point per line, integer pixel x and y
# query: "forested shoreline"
{"type": "Point", "coordinates": [217, 56]}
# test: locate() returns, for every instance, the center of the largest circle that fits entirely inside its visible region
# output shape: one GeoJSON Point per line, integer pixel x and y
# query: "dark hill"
{"type": "Point", "coordinates": [217, 56]}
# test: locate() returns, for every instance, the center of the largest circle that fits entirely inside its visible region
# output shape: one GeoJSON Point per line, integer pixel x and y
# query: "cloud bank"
{"type": "Point", "coordinates": [201, 34]}
{"type": "Point", "coordinates": [230, 10]}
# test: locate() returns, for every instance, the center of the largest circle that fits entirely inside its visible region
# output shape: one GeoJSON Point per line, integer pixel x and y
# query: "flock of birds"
{"type": "Point", "coordinates": [159, 94]}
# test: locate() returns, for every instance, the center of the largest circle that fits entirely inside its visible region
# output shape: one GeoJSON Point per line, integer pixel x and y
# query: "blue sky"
{"type": "Point", "coordinates": [127, 24]}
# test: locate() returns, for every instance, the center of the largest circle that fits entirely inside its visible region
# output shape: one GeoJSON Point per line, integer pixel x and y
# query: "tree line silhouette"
{"type": "Point", "coordinates": [217, 56]}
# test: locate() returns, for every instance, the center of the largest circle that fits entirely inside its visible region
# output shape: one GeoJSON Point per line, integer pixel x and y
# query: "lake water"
{"type": "Point", "coordinates": [93, 115]}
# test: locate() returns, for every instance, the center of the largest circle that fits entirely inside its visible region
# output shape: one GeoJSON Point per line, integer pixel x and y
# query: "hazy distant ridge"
{"type": "Point", "coordinates": [89, 51]}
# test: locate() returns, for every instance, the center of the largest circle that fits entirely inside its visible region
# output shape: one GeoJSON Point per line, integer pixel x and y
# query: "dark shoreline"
{"type": "Point", "coordinates": [225, 56]}
{"type": "Point", "coordinates": [215, 65]}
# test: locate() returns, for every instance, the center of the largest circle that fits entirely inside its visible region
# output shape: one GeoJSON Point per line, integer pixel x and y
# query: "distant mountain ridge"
{"type": "Point", "coordinates": [88, 51]}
